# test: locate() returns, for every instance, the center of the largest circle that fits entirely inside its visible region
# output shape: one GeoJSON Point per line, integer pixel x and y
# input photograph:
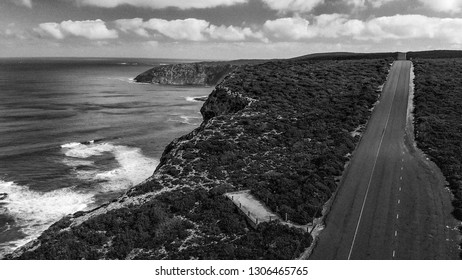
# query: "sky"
{"type": "Point", "coordinates": [225, 29]}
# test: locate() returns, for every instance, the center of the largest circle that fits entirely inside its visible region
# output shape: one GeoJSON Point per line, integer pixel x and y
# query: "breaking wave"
{"type": "Point", "coordinates": [133, 166]}
{"type": "Point", "coordinates": [34, 211]}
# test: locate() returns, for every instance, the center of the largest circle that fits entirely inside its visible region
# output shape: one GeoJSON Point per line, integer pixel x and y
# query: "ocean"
{"type": "Point", "coordinates": [76, 133]}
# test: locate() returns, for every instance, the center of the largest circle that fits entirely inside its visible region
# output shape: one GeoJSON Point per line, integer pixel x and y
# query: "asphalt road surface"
{"type": "Point", "coordinates": [391, 202]}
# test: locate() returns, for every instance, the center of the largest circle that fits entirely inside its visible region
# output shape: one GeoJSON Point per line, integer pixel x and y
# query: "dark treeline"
{"type": "Point", "coordinates": [347, 56]}
{"type": "Point", "coordinates": [435, 54]}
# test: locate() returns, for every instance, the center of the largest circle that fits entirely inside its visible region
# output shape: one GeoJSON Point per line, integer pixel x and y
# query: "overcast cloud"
{"type": "Point", "coordinates": [226, 29]}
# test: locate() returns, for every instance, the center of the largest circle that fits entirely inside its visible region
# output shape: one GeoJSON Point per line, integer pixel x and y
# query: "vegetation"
{"type": "Point", "coordinates": [346, 56]}
{"type": "Point", "coordinates": [281, 129]}
{"type": "Point", "coordinates": [200, 73]}
{"type": "Point", "coordinates": [438, 119]}
{"type": "Point", "coordinates": [289, 146]}
{"type": "Point", "coordinates": [159, 230]}
{"type": "Point", "coordinates": [435, 54]}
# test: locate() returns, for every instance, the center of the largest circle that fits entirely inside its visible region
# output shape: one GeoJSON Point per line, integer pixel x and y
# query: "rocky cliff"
{"type": "Point", "coordinates": [200, 74]}
{"type": "Point", "coordinates": [281, 130]}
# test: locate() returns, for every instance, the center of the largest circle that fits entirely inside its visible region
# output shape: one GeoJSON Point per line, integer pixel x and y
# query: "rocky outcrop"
{"type": "Point", "coordinates": [223, 101]}
{"type": "Point", "coordinates": [198, 74]}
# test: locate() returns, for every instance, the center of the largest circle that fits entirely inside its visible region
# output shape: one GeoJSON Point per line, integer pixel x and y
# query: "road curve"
{"type": "Point", "coordinates": [391, 202]}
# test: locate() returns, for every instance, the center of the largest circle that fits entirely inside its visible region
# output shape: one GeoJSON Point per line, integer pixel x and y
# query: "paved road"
{"type": "Point", "coordinates": [391, 203]}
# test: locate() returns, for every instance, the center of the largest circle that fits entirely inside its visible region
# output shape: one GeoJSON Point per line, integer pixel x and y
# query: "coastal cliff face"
{"type": "Point", "coordinates": [281, 130]}
{"type": "Point", "coordinates": [200, 74]}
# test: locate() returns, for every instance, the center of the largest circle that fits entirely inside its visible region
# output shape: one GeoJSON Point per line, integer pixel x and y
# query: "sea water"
{"type": "Point", "coordinates": [76, 133]}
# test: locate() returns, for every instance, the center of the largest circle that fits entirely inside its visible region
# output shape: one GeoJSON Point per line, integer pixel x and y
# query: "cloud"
{"type": "Point", "coordinates": [52, 29]}
{"type": "Point", "coordinates": [293, 5]}
{"type": "Point", "coordinates": [448, 6]}
{"type": "Point", "coordinates": [233, 33]}
{"type": "Point", "coordinates": [397, 27]}
{"type": "Point", "coordinates": [379, 3]}
{"type": "Point", "coordinates": [135, 25]}
{"type": "Point", "coordinates": [415, 27]}
{"type": "Point", "coordinates": [322, 26]}
{"type": "Point", "coordinates": [161, 4]}
{"type": "Point", "coordinates": [365, 3]}
{"type": "Point", "coordinates": [289, 28]}
{"type": "Point", "coordinates": [189, 29]}
{"type": "Point", "coordinates": [90, 29]}
{"type": "Point", "coordinates": [25, 3]}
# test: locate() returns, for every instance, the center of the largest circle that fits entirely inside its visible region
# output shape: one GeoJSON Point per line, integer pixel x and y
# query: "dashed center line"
{"type": "Point", "coordinates": [399, 201]}
{"type": "Point", "coordinates": [396, 233]}
{"type": "Point", "coordinates": [401, 178]}
{"type": "Point", "coordinates": [399, 188]}
{"type": "Point", "coordinates": [394, 253]}
{"type": "Point", "coordinates": [397, 216]}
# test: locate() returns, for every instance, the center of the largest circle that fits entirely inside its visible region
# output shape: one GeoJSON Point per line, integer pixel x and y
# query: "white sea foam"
{"type": "Point", "coordinates": [194, 98]}
{"type": "Point", "coordinates": [78, 150]}
{"type": "Point", "coordinates": [133, 168]}
{"type": "Point", "coordinates": [70, 145]}
{"type": "Point", "coordinates": [190, 99]}
{"type": "Point", "coordinates": [35, 211]}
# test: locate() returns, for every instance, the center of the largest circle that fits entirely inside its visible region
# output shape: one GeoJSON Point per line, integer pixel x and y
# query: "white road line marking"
{"type": "Point", "coordinates": [399, 188]}
{"type": "Point", "coordinates": [402, 168]}
{"type": "Point", "coordinates": [401, 178]}
{"type": "Point", "coordinates": [399, 201]}
{"type": "Point", "coordinates": [372, 173]}
{"type": "Point", "coordinates": [396, 233]}
{"type": "Point", "coordinates": [402, 160]}
{"type": "Point", "coordinates": [393, 253]}
{"type": "Point", "coordinates": [397, 216]}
